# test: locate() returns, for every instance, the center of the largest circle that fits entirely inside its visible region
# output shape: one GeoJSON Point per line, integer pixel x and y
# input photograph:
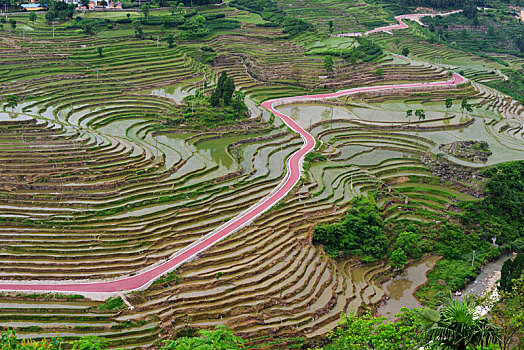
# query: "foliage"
{"type": "Point", "coordinates": [361, 232]}
{"type": "Point", "coordinates": [194, 27]}
{"type": "Point", "coordinates": [405, 51]}
{"type": "Point", "coordinates": [269, 11]}
{"type": "Point", "coordinates": [328, 63]}
{"type": "Point", "coordinates": [449, 103]}
{"type": "Point", "coordinates": [457, 326]}
{"type": "Point", "coordinates": [410, 244]}
{"type": "Point", "coordinates": [398, 259]}
{"type": "Point", "coordinates": [170, 39]}
{"type": "Point", "coordinates": [89, 342]}
{"type": "Point", "coordinates": [59, 11]}
{"type": "Point", "coordinates": [115, 303]}
{"type": "Point", "coordinates": [9, 341]}
{"type": "Point", "coordinates": [12, 101]}
{"type": "Point", "coordinates": [223, 106]}
{"type": "Point", "coordinates": [500, 212]}
{"type": "Point", "coordinates": [505, 190]}
{"type": "Point", "coordinates": [420, 114]}
{"type": "Point", "coordinates": [508, 315]}
{"type": "Point", "coordinates": [221, 338]}
{"type": "Point", "coordinates": [511, 270]}
{"type": "Point", "coordinates": [367, 332]}
{"type": "Point", "coordinates": [223, 92]}
{"type": "Point", "coordinates": [313, 157]}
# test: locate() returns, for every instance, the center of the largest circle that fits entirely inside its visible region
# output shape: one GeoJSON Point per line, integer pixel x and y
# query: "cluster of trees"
{"type": "Point", "coordinates": [223, 93]}
{"type": "Point", "coordinates": [269, 11]}
{"type": "Point", "coordinates": [360, 233]}
{"type": "Point", "coordinates": [223, 106]}
{"type": "Point", "coordinates": [511, 271]}
{"type": "Point", "coordinates": [59, 11]}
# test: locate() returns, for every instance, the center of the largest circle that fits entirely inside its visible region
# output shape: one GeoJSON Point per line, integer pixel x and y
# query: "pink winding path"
{"type": "Point", "coordinates": [400, 25]}
{"type": "Point", "coordinates": [294, 170]}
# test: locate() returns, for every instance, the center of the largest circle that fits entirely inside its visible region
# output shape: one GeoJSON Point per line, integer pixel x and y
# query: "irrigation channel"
{"type": "Point", "coordinates": [146, 277]}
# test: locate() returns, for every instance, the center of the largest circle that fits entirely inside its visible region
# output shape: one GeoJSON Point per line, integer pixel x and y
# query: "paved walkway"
{"type": "Point", "coordinates": [401, 25]}
{"type": "Point", "coordinates": [145, 278]}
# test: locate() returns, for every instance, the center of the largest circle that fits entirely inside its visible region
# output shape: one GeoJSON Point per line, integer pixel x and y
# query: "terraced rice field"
{"type": "Point", "coordinates": [95, 183]}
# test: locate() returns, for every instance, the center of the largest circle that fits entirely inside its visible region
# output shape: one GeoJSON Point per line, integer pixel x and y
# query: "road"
{"type": "Point", "coordinates": [401, 25]}
{"type": "Point", "coordinates": [143, 279]}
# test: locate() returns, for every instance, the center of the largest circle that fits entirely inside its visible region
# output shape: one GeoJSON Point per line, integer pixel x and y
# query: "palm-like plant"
{"type": "Point", "coordinates": [457, 325]}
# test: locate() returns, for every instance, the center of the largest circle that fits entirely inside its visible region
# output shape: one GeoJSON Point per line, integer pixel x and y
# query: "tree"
{"type": "Point", "coordinates": [85, 3]}
{"type": "Point", "coordinates": [398, 259]}
{"type": "Point", "coordinates": [145, 10]}
{"type": "Point", "coordinates": [12, 102]}
{"type": "Point", "coordinates": [328, 63]}
{"type": "Point", "coordinates": [180, 7]}
{"type": "Point", "coordinates": [128, 15]}
{"type": "Point", "coordinates": [32, 18]}
{"type": "Point", "coordinates": [13, 23]}
{"type": "Point", "coordinates": [405, 52]}
{"type": "Point", "coordinates": [139, 33]}
{"type": "Point", "coordinates": [457, 326]}
{"type": "Point", "coordinates": [221, 338]}
{"type": "Point", "coordinates": [360, 233]}
{"type": "Point", "coordinates": [223, 91]}
{"type": "Point", "coordinates": [465, 106]}
{"type": "Point", "coordinates": [99, 50]}
{"type": "Point", "coordinates": [103, 3]}
{"type": "Point", "coordinates": [409, 243]}
{"type": "Point", "coordinates": [89, 342]}
{"type": "Point", "coordinates": [330, 26]}
{"type": "Point", "coordinates": [170, 39]}
{"type": "Point", "coordinates": [449, 103]}
{"type": "Point", "coordinates": [508, 315]}
{"type": "Point", "coordinates": [409, 113]}
{"type": "Point", "coordinates": [173, 9]}
{"type": "Point", "coordinates": [511, 270]}
{"type": "Point", "coordinates": [420, 114]}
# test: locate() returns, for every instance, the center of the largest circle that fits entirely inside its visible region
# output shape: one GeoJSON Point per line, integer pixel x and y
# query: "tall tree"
{"type": "Point", "coordinates": [32, 18]}
{"type": "Point", "coordinates": [398, 259]}
{"type": "Point", "coordinates": [145, 10]}
{"type": "Point", "coordinates": [170, 39]}
{"type": "Point", "coordinates": [330, 26]}
{"type": "Point", "coordinates": [328, 63]}
{"type": "Point", "coordinates": [420, 114]}
{"type": "Point", "coordinates": [12, 101]}
{"type": "Point", "coordinates": [449, 103]}
{"type": "Point", "coordinates": [409, 114]}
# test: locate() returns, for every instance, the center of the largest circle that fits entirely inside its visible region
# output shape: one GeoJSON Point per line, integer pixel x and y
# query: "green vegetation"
{"type": "Point", "coordinates": [221, 338]}
{"type": "Point", "coordinates": [59, 11]}
{"type": "Point", "coordinates": [115, 303]}
{"type": "Point", "coordinates": [457, 326]}
{"type": "Point", "coordinates": [269, 11]}
{"type": "Point", "coordinates": [511, 271]}
{"type": "Point", "coordinates": [360, 233]}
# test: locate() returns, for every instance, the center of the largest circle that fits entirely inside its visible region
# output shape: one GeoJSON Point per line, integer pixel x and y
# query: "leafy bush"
{"type": "Point", "coordinates": [360, 233]}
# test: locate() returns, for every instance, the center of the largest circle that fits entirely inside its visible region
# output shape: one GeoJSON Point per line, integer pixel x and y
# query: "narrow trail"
{"type": "Point", "coordinates": [401, 25]}
{"type": "Point", "coordinates": [145, 278]}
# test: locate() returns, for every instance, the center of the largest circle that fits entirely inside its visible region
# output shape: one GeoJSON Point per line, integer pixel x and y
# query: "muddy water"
{"type": "Point", "coordinates": [400, 289]}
